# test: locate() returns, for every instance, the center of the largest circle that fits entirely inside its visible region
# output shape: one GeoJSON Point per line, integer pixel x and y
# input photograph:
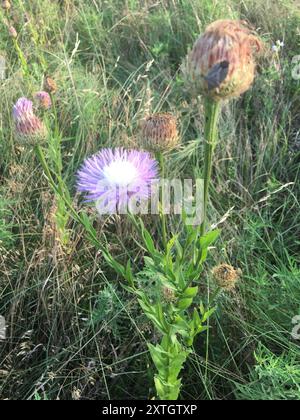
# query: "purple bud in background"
{"type": "Point", "coordinates": [28, 126]}
{"type": "Point", "coordinates": [13, 32]}
{"type": "Point", "coordinates": [44, 99]}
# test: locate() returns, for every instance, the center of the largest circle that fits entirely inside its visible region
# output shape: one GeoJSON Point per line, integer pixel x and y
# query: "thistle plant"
{"type": "Point", "coordinates": [117, 178]}
{"type": "Point", "coordinates": [114, 179]}
{"type": "Point", "coordinates": [221, 66]}
{"type": "Point", "coordinates": [31, 131]}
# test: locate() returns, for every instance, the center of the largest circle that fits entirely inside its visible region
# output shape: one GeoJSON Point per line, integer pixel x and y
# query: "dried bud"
{"type": "Point", "coordinates": [226, 276]}
{"type": "Point", "coordinates": [6, 5]}
{"type": "Point", "coordinates": [12, 32]}
{"type": "Point", "coordinates": [29, 128]}
{"type": "Point", "coordinates": [50, 85]}
{"type": "Point", "coordinates": [169, 295]}
{"type": "Point", "coordinates": [222, 63]}
{"type": "Point", "coordinates": [159, 133]}
{"type": "Point", "coordinates": [43, 99]}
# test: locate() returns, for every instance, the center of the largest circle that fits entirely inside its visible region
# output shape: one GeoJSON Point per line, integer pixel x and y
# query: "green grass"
{"type": "Point", "coordinates": [72, 330]}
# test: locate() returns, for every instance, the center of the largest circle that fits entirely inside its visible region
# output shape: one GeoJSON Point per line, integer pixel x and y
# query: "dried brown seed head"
{"type": "Point", "coordinates": [159, 133]}
{"type": "Point", "coordinates": [222, 62]}
{"type": "Point", "coordinates": [50, 85]}
{"type": "Point", "coordinates": [6, 5]}
{"type": "Point", "coordinates": [226, 276]}
{"type": "Point", "coordinates": [169, 295]}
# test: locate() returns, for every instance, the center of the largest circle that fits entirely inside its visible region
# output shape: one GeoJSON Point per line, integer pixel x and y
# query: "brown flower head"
{"type": "Point", "coordinates": [169, 295]}
{"type": "Point", "coordinates": [159, 133]}
{"type": "Point", "coordinates": [226, 276]}
{"type": "Point", "coordinates": [13, 32]}
{"type": "Point", "coordinates": [50, 85]}
{"type": "Point", "coordinates": [6, 5]}
{"type": "Point", "coordinates": [44, 99]}
{"type": "Point", "coordinates": [222, 62]}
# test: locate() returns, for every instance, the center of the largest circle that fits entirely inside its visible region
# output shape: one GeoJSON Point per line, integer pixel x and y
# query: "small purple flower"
{"type": "Point", "coordinates": [44, 99]}
{"type": "Point", "coordinates": [116, 179]}
{"type": "Point", "coordinates": [27, 124]}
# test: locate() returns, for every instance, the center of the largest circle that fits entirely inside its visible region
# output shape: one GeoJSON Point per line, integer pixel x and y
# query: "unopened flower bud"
{"type": "Point", "coordinates": [159, 133]}
{"type": "Point", "coordinates": [43, 99]}
{"type": "Point", "coordinates": [222, 62]}
{"type": "Point", "coordinates": [29, 128]}
{"type": "Point", "coordinates": [12, 32]}
{"type": "Point", "coordinates": [50, 85]}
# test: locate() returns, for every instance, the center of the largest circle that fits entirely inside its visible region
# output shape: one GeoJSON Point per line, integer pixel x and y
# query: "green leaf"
{"type": "Point", "coordinates": [159, 357]}
{"type": "Point", "coordinates": [202, 309]}
{"type": "Point", "coordinates": [179, 250]}
{"type": "Point", "coordinates": [207, 240]}
{"type": "Point", "coordinates": [171, 244]}
{"type": "Point", "coordinates": [152, 314]}
{"type": "Point", "coordinates": [208, 314]}
{"type": "Point", "coordinates": [120, 269]}
{"type": "Point", "coordinates": [184, 303]}
{"type": "Point", "coordinates": [196, 319]}
{"type": "Point", "coordinates": [149, 242]}
{"type": "Point", "coordinates": [190, 292]}
{"type": "Point", "coordinates": [129, 275]}
{"type": "Point", "coordinates": [128, 289]}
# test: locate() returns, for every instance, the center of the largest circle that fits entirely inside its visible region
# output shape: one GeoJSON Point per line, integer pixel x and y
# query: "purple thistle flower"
{"type": "Point", "coordinates": [27, 124]}
{"type": "Point", "coordinates": [44, 99]}
{"type": "Point", "coordinates": [23, 108]}
{"type": "Point", "coordinates": [116, 179]}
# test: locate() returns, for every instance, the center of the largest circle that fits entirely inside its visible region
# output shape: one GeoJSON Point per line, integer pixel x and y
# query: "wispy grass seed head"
{"type": "Point", "coordinates": [159, 133]}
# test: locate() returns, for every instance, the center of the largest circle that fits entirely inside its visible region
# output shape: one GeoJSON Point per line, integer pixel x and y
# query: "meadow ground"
{"type": "Point", "coordinates": [72, 331]}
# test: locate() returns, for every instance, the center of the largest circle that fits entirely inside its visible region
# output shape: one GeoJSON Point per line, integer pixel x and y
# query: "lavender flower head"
{"type": "Point", "coordinates": [117, 179]}
{"type": "Point", "coordinates": [28, 126]}
{"type": "Point", "coordinates": [23, 107]}
{"type": "Point", "coordinates": [44, 99]}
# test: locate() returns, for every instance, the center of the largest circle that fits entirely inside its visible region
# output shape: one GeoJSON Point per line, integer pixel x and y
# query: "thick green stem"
{"type": "Point", "coordinates": [173, 357]}
{"type": "Point", "coordinates": [162, 209]}
{"type": "Point", "coordinates": [212, 112]}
